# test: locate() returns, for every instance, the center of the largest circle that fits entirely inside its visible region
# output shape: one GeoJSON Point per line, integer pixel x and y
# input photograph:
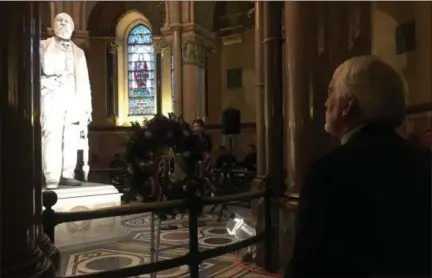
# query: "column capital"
{"type": "Point", "coordinates": [195, 49]}
{"type": "Point", "coordinates": [113, 46]}
{"type": "Point", "coordinates": [159, 43]}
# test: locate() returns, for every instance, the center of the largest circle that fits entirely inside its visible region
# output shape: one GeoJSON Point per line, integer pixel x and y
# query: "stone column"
{"type": "Point", "coordinates": [299, 48]}
{"type": "Point", "coordinates": [177, 65]}
{"type": "Point", "coordinates": [159, 44]}
{"type": "Point", "coordinates": [194, 55]}
{"type": "Point", "coordinates": [112, 86]}
{"type": "Point", "coordinates": [259, 83]}
{"type": "Point", "coordinates": [273, 102]}
{"type": "Point", "coordinates": [176, 26]}
{"type": "Point", "coordinates": [20, 171]}
{"type": "Point", "coordinates": [273, 94]}
{"type": "Point", "coordinates": [300, 20]}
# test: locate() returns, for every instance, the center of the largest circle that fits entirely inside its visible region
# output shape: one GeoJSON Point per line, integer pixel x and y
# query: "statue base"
{"type": "Point", "coordinates": [85, 197]}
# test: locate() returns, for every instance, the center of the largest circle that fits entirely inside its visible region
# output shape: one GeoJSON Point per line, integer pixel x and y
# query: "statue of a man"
{"type": "Point", "coordinates": [65, 103]}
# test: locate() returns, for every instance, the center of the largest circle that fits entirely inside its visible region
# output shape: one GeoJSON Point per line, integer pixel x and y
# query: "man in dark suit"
{"type": "Point", "coordinates": [198, 126]}
{"type": "Point", "coordinates": [364, 208]}
{"type": "Point", "coordinates": [250, 160]}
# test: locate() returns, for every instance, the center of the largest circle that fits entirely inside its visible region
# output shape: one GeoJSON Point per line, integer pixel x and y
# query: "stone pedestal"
{"type": "Point", "coordinates": [85, 197]}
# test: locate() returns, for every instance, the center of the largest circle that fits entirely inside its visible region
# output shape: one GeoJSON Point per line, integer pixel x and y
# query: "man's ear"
{"type": "Point", "coordinates": [348, 106]}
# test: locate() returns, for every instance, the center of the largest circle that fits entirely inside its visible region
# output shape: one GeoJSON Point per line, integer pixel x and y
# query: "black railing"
{"type": "Point", "coordinates": [193, 203]}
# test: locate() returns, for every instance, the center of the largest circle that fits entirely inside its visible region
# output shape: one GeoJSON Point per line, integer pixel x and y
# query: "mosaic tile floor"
{"type": "Point", "coordinates": [133, 249]}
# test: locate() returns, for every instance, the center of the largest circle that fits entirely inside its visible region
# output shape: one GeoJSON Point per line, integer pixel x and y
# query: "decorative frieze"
{"type": "Point", "coordinates": [195, 50]}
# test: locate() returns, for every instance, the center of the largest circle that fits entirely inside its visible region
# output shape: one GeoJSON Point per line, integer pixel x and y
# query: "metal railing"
{"type": "Point", "coordinates": [193, 203]}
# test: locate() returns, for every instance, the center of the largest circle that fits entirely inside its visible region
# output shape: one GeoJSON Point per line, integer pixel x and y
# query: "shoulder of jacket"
{"type": "Point", "coordinates": [78, 49]}
{"type": "Point", "coordinates": [330, 159]}
{"type": "Point", "coordinates": [44, 43]}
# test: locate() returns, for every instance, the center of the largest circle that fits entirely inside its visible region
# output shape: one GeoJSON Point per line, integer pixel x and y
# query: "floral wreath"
{"type": "Point", "coordinates": [147, 143]}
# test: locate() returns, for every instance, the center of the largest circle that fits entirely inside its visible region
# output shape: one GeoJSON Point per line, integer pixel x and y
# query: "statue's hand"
{"type": "Point", "coordinates": [62, 79]}
{"type": "Point", "coordinates": [85, 119]}
{"type": "Point", "coordinates": [49, 81]}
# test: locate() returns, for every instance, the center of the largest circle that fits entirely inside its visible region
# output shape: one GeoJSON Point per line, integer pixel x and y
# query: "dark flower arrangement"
{"type": "Point", "coordinates": [143, 151]}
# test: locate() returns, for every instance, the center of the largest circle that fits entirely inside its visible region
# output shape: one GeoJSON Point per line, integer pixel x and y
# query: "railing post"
{"type": "Point", "coordinates": [195, 205]}
{"type": "Point", "coordinates": [267, 225]}
{"type": "Point", "coordinates": [49, 199]}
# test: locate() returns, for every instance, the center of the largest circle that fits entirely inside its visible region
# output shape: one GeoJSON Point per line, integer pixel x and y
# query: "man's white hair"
{"type": "Point", "coordinates": [377, 88]}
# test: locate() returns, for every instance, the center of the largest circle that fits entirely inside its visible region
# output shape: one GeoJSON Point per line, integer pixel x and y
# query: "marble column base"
{"type": "Point", "coordinates": [32, 263]}
{"type": "Point", "coordinates": [257, 184]}
{"type": "Point", "coordinates": [49, 250]}
{"type": "Point", "coordinates": [283, 224]}
{"type": "Point", "coordinates": [85, 197]}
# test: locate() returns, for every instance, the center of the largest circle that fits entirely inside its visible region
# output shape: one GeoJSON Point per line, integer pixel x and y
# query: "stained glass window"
{"type": "Point", "coordinates": [141, 72]}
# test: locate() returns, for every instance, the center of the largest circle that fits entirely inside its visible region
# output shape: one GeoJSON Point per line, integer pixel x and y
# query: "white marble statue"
{"type": "Point", "coordinates": [65, 103]}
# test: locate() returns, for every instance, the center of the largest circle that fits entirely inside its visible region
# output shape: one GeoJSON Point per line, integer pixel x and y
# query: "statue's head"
{"type": "Point", "coordinates": [63, 26]}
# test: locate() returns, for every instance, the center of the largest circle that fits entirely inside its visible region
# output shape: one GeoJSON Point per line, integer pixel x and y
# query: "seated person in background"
{"type": "Point", "coordinates": [417, 141]}
{"type": "Point", "coordinates": [225, 159]}
{"type": "Point", "coordinates": [198, 127]}
{"type": "Point", "coordinates": [250, 160]}
{"type": "Point", "coordinates": [365, 207]}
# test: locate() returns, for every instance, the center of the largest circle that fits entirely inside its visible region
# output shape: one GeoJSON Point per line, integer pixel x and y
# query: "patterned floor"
{"type": "Point", "coordinates": [132, 249]}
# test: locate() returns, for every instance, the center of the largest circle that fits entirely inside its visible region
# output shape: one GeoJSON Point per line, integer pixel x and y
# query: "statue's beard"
{"type": "Point", "coordinates": [63, 33]}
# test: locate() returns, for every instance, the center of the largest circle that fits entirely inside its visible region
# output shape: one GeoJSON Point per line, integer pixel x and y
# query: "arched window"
{"type": "Point", "coordinates": [137, 71]}
{"type": "Point", "coordinates": [141, 72]}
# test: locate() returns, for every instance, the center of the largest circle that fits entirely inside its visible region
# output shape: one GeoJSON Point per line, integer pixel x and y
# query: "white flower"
{"type": "Point", "coordinates": [143, 164]}
{"type": "Point", "coordinates": [147, 134]}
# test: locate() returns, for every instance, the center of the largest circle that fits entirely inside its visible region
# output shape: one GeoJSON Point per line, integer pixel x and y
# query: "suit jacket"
{"type": "Point", "coordinates": [82, 105]}
{"type": "Point", "coordinates": [208, 145]}
{"type": "Point", "coordinates": [364, 210]}
{"type": "Point", "coordinates": [249, 162]}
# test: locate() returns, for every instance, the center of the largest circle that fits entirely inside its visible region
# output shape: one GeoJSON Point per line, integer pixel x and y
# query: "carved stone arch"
{"type": "Point", "coordinates": [104, 16]}
{"type": "Point", "coordinates": [88, 9]}
{"type": "Point", "coordinates": [204, 13]}
{"type": "Point", "coordinates": [232, 17]}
